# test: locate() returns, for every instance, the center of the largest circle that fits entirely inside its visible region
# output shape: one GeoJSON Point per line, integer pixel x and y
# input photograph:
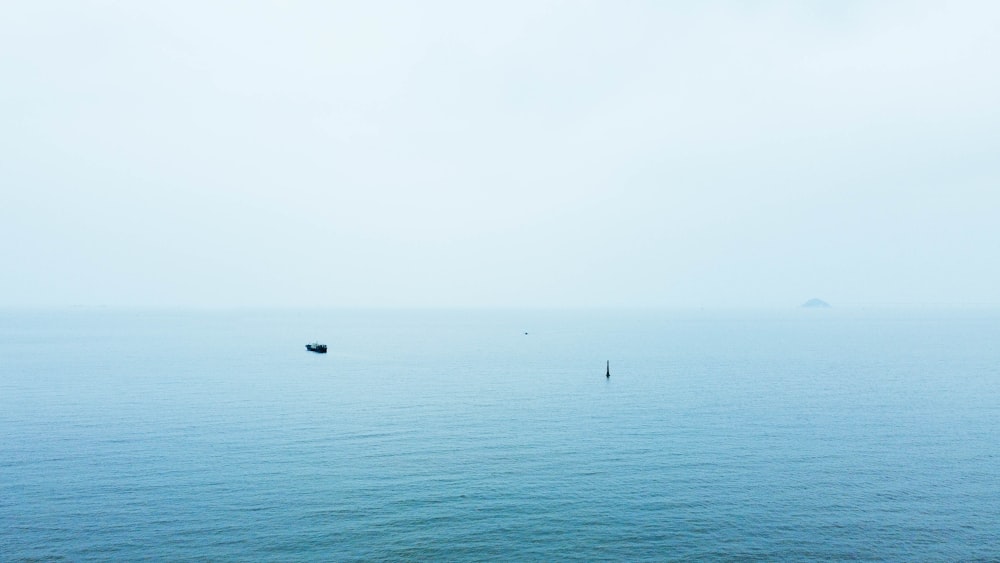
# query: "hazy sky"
{"type": "Point", "coordinates": [744, 153]}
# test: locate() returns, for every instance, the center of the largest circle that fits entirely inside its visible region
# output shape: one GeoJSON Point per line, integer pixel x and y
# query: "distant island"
{"type": "Point", "coordinates": [816, 304]}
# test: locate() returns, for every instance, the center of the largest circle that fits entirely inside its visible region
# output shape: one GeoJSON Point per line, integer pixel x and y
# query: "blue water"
{"type": "Point", "coordinates": [452, 435]}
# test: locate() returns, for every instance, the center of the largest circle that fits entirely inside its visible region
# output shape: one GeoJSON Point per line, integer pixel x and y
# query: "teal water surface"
{"type": "Point", "coordinates": [453, 435]}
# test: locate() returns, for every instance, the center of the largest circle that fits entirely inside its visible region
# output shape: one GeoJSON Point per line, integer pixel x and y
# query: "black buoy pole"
{"type": "Point", "coordinates": [608, 372]}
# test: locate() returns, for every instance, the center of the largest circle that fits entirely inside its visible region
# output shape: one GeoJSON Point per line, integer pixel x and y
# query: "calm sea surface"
{"type": "Point", "coordinates": [453, 435]}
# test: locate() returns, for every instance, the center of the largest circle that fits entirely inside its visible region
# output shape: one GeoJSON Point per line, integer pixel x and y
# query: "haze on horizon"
{"type": "Point", "coordinates": [499, 154]}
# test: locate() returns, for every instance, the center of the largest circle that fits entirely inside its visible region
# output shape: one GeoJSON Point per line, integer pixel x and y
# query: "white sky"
{"type": "Point", "coordinates": [617, 153]}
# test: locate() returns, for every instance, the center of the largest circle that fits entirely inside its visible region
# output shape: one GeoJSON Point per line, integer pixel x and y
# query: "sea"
{"type": "Point", "coordinates": [842, 434]}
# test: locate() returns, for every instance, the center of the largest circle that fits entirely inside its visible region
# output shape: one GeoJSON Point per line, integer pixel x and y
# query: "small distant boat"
{"type": "Point", "coordinates": [316, 347]}
{"type": "Point", "coordinates": [607, 368]}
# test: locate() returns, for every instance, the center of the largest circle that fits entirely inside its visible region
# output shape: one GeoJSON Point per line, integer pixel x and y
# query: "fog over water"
{"type": "Point", "coordinates": [501, 154]}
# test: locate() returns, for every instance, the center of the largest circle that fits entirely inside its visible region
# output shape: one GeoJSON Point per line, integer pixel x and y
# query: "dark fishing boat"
{"type": "Point", "coordinates": [316, 347]}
